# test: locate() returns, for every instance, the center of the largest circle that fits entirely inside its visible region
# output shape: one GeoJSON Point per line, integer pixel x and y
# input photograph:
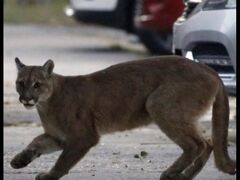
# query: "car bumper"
{"type": "Point", "coordinates": [106, 18]}
{"type": "Point", "coordinates": [97, 12]}
{"type": "Point", "coordinates": [229, 79]}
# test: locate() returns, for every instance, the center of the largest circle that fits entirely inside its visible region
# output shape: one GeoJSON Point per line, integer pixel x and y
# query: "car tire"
{"type": "Point", "coordinates": [155, 42]}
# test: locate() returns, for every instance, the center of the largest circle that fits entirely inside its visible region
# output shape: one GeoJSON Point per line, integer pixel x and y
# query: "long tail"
{"type": "Point", "coordinates": [220, 122]}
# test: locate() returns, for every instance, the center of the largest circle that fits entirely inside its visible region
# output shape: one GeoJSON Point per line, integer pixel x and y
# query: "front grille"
{"type": "Point", "coordinates": [214, 55]}
{"type": "Point", "coordinates": [221, 64]}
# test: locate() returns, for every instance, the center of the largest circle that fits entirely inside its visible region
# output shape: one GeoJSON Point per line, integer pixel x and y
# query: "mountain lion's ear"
{"type": "Point", "coordinates": [48, 67]}
{"type": "Point", "coordinates": [19, 64]}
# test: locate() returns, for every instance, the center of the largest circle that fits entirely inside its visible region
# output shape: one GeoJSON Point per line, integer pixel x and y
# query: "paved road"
{"type": "Point", "coordinates": [112, 159]}
{"type": "Point", "coordinates": [82, 50]}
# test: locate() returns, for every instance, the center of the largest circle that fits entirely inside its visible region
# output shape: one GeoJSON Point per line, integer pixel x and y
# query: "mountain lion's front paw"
{"type": "Point", "coordinates": [166, 176]}
{"type": "Point", "coordinates": [45, 176]}
{"type": "Point", "coordinates": [22, 159]}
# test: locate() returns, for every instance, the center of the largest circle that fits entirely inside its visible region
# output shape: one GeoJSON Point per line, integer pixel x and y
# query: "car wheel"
{"type": "Point", "coordinates": [155, 42]}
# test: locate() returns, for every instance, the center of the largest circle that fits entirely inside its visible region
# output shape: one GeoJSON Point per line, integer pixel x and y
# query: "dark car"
{"type": "Point", "coordinates": [150, 20]}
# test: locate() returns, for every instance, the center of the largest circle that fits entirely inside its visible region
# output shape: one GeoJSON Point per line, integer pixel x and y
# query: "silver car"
{"type": "Point", "coordinates": [208, 35]}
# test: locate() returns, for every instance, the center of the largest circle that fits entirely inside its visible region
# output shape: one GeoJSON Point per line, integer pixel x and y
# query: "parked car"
{"type": "Point", "coordinates": [150, 20]}
{"type": "Point", "coordinates": [208, 35]}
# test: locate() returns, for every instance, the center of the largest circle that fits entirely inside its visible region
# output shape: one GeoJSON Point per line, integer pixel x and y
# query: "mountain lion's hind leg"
{"type": "Point", "coordinates": [175, 114]}
{"type": "Point", "coordinates": [197, 165]}
{"type": "Point", "coordinates": [195, 152]}
{"type": "Point", "coordinates": [42, 144]}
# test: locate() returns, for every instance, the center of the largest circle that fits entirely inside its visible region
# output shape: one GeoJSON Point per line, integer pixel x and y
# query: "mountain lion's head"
{"type": "Point", "coordinates": [33, 83]}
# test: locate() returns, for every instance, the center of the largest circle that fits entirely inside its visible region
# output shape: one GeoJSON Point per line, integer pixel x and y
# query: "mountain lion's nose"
{"type": "Point", "coordinates": [31, 102]}
{"type": "Point", "coordinates": [26, 100]}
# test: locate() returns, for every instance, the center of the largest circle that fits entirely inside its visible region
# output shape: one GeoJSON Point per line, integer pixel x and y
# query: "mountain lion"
{"type": "Point", "coordinates": [170, 91]}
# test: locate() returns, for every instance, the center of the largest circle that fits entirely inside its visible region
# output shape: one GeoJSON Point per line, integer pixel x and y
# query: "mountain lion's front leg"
{"type": "Point", "coordinates": [71, 154]}
{"type": "Point", "coordinates": [42, 144]}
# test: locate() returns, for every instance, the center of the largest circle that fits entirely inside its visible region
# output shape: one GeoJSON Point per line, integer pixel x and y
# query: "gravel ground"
{"type": "Point", "coordinates": [114, 158]}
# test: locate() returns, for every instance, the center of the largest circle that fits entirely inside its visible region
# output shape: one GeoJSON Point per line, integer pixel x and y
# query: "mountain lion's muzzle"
{"type": "Point", "coordinates": [27, 102]}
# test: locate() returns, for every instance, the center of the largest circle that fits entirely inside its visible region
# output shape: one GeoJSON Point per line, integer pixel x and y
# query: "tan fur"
{"type": "Point", "coordinates": [170, 91]}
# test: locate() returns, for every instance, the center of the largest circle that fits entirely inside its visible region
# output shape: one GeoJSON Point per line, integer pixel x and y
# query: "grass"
{"type": "Point", "coordinates": [51, 12]}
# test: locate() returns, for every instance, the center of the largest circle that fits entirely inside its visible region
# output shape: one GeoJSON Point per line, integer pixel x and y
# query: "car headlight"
{"type": "Point", "coordinates": [219, 4]}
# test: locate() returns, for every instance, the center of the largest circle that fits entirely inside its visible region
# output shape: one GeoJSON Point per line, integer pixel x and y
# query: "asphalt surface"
{"type": "Point", "coordinates": [83, 50]}
{"type": "Point", "coordinates": [114, 158]}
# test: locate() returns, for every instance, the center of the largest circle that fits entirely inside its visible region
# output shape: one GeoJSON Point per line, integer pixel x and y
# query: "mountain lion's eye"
{"type": "Point", "coordinates": [36, 85]}
{"type": "Point", "coordinates": [20, 83]}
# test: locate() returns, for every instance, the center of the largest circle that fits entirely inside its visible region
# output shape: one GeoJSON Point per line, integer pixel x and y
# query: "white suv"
{"type": "Point", "coordinates": [208, 35]}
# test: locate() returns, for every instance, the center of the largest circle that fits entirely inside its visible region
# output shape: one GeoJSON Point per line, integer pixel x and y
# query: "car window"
{"type": "Point", "coordinates": [231, 4]}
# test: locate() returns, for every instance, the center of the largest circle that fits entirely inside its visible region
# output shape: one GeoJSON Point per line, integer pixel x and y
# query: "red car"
{"type": "Point", "coordinates": [154, 22]}
{"type": "Point", "coordinates": [150, 20]}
